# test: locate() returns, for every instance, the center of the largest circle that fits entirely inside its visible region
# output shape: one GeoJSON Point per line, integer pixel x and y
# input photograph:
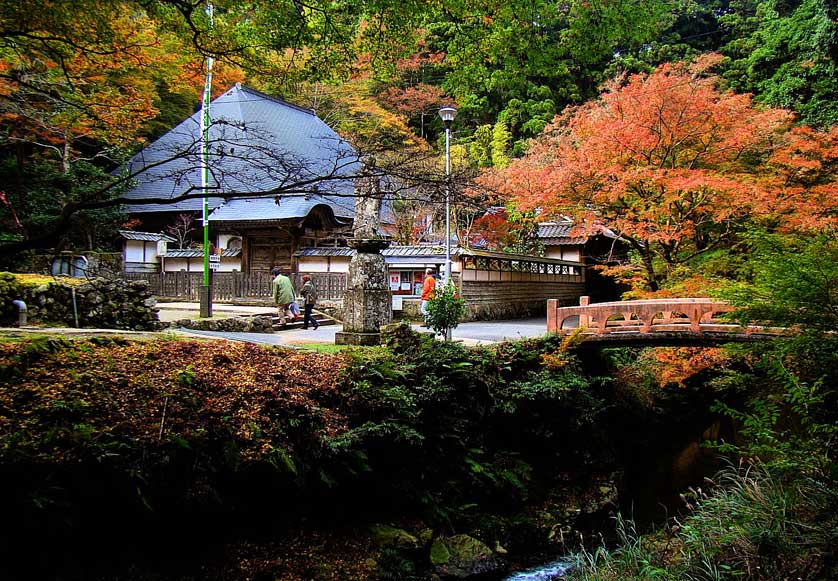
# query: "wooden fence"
{"type": "Point", "coordinates": [227, 286]}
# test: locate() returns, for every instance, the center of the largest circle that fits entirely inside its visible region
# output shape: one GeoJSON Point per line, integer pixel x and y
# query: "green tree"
{"type": "Point", "coordinates": [785, 53]}
{"type": "Point", "coordinates": [445, 309]}
{"type": "Point", "coordinates": [789, 280]}
{"type": "Point", "coordinates": [527, 59]}
{"type": "Point", "coordinates": [500, 145]}
{"type": "Point", "coordinates": [480, 151]}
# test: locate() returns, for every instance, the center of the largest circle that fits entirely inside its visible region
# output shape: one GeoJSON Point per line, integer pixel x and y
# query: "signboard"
{"type": "Point", "coordinates": [397, 302]}
{"type": "Point", "coordinates": [395, 280]}
{"type": "Point", "coordinates": [214, 265]}
{"type": "Point", "coordinates": [215, 258]}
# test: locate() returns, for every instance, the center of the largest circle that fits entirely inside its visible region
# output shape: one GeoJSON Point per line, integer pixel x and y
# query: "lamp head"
{"type": "Point", "coordinates": [447, 114]}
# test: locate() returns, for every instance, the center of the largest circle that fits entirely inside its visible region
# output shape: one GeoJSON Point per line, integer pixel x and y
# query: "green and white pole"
{"type": "Point", "coordinates": [206, 291]}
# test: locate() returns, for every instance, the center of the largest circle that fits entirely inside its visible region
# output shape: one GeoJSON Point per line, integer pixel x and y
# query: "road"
{"type": "Point", "coordinates": [472, 333]}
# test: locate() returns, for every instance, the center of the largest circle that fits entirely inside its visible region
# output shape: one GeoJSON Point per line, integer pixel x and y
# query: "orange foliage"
{"type": "Point", "coordinates": [675, 365]}
{"type": "Point", "coordinates": [672, 164]}
{"type": "Point", "coordinates": [655, 157]}
{"type": "Point", "coordinates": [696, 285]}
{"type": "Point", "coordinates": [806, 176]}
{"type": "Point", "coordinates": [420, 98]}
{"type": "Point", "coordinates": [493, 228]}
{"type": "Point", "coordinates": [94, 85]}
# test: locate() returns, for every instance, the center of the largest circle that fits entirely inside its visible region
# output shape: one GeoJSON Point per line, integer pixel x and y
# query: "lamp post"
{"type": "Point", "coordinates": [447, 115]}
{"type": "Point", "coordinates": [206, 290]}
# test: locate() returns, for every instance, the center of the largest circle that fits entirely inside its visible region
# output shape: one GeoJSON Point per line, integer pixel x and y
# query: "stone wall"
{"type": "Point", "coordinates": [95, 264]}
{"type": "Point", "coordinates": [486, 301]}
{"type": "Point", "coordinates": [99, 303]}
{"type": "Point", "coordinates": [257, 324]}
{"type": "Point", "coordinates": [502, 300]}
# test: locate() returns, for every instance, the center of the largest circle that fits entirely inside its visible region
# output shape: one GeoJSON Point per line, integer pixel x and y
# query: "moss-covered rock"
{"type": "Point", "coordinates": [256, 324]}
{"type": "Point", "coordinates": [387, 536]}
{"type": "Point", "coordinates": [462, 556]}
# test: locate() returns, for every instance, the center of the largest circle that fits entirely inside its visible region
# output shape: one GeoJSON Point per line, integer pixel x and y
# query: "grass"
{"type": "Point", "coordinates": [327, 347]}
{"type": "Point", "coordinates": [39, 279]}
{"type": "Point", "coordinates": [749, 526]}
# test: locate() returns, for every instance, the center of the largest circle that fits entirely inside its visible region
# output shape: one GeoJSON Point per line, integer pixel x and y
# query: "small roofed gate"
{"type": "Point", "coordinates": [495, 285]}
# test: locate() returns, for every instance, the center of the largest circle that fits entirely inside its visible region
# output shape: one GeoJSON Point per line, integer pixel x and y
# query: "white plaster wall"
{"type": "Point", "coordinates": [313, 264]}
{"type": "Point", "coordinates": [474, 275]}
{"type": "Point", "coordinates": [228, 264]}
{"type": "Point", "coordinates": [175, 264]}
{"type": "Point", "coordinates": [321, 264]}
{"type": "Point", "coordinates": [134, 251]}
{"type": "Point", "coordinates": [224, 240]}
{"type": "Point", "coordinates": [571, 253]}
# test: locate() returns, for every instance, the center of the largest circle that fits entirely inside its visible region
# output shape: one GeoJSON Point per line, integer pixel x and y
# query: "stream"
{"type": "Point", "coordinates": [546, 572]}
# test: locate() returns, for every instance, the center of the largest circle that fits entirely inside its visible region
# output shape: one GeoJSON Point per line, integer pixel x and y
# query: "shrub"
{"type": "Point", "coordinates": [445, 310]}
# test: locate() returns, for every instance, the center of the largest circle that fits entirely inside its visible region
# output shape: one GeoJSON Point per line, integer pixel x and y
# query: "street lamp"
{"type": "Point", "coordinates": [205, 296]}
{"type": "Point", "coordinates": [447, 115]}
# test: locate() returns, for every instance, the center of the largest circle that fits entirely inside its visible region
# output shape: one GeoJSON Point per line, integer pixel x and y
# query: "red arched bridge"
{"type": "Point", "coordinates": [693, 321]}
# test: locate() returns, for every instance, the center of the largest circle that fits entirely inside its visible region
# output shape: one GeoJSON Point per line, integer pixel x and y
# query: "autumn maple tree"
{"type": "Point", "coordinates": [674, 165]}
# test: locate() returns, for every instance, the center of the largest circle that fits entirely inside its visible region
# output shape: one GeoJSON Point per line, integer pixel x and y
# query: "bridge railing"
{"type": "Point", "coordinates": [644, 316]}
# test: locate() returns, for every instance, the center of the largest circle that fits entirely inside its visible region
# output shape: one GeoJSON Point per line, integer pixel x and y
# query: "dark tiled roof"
{"type": "Point", "coordinates": [418, 251]}
{"type": "Point", "coordinates": [257, 144]}
{"type": "Point", "coordinates": [267, 209]}
{"type": "Point", "coordinates": [145, 236]}
{"type": "Point", "coordinates": [421, 250]}
{"type": "Point", "coordinates": [199, 253]}
{"type": "Point", "coordinates": [558, 234]}
{"type": "Point", "coordinates": [427, 253]}
{"type": "Point", "coordinates": [326, 251]}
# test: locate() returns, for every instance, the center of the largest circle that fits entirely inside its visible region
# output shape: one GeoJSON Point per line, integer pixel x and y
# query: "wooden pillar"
{"type": "Point", "coordinates": [245, 254]}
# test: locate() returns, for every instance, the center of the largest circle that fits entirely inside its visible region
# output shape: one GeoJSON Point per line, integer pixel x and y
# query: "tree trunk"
{"type": "Point", "coordinates": [646, 255]}
{"type": "Point", "coordinates": [65, 154]}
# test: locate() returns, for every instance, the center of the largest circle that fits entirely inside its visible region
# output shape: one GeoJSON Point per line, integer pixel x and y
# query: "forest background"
{"type": "Point", "coordinates": [84, 84]}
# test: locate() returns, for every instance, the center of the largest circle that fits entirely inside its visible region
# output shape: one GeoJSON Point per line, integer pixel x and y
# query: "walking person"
{"type": "Point", "coordinates": [283, 292]}
{"type": "Point", "coordinates": [428, 291]}
{"type": "Point", "coordinates": [309, 294]}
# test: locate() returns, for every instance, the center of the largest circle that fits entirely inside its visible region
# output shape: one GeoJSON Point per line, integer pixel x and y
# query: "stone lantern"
{"type": "Point", "coordinates": [367, 304]}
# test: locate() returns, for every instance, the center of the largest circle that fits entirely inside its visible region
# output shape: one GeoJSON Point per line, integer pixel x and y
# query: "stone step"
{"type": "Point", "coordinates": [298, 323]}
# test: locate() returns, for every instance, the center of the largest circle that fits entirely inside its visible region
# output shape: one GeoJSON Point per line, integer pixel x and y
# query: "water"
{"type": "Point", "coordinates": [547, 572]}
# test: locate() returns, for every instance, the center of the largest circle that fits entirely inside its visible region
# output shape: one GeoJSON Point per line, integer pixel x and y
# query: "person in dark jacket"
{"type": "Point", "coordinates": [309, 294]}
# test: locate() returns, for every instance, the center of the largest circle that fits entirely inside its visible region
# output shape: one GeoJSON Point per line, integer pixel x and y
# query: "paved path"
{"type": "Point", "coordinates": [172, 311]}
{"type": "Point", "coordinates": [472, 333]}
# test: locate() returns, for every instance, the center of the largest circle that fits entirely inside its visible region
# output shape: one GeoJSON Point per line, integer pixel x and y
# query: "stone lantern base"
{"type": "Point", "coordinates": [366, 339]}
{"type": "Point", "coordinates": [367, 303]}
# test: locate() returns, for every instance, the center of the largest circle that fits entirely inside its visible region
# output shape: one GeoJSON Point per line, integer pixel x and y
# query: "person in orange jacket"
{"type": "Point", "coordinates": [428, 290]}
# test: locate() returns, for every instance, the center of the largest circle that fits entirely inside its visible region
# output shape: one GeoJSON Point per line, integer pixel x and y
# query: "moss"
{"type": "Point", "coordinates": [439, 553]}
{"type": "Point", "coordinates": [387, 536]}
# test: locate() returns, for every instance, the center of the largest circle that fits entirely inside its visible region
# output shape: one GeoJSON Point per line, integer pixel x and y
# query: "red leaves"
{"type": "Point", "coordinates": [674, 165]}
{"type": "Point", "coordinates": [209, 390]}
{"type": "Point", "coordinates": [675, 365]}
